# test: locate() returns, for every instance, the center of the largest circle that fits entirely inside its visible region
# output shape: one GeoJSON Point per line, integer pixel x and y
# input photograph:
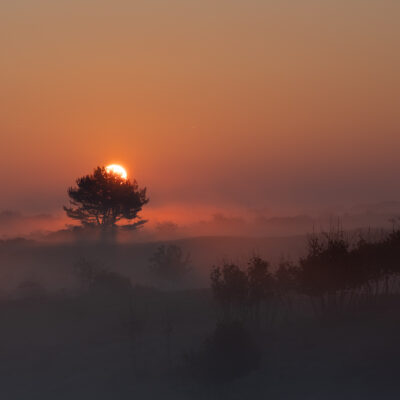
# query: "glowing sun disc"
{"type": "Point", "coordinates": [117, 170]}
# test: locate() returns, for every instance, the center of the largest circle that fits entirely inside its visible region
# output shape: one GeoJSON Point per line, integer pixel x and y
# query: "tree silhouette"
{"type": "Point", "coordinates": [324, 272]}
{"type": "Point", "coordinates": [94, 278]}
{"type": "Point", "coordinates": [229, 353]}
{"type": "Point", "coordinates": [170, 262]}
{"type": "Point", "coordinates": [260, 285]}
{"type": "Point", "coordinates": [104, 198]}
{"type": "Point", "coordinates": [286, 284]}
{"type": "Point", "coordinates": [230, 288]}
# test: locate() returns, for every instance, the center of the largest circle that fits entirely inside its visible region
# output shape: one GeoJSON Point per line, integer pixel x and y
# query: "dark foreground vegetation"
{"type": "Point", "coordinates": [324, 327]}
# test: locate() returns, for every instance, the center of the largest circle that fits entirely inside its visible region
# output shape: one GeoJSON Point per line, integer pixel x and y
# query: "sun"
{"type": "Point", "coordinates": [117, 170]}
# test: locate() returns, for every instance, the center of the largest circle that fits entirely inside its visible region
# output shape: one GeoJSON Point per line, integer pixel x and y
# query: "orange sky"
{"type": "Point", "coordinates": [277, 104]}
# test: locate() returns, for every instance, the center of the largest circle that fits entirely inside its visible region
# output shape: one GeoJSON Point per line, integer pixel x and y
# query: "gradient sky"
{"type": "Point", "coordinates": [250, 103]}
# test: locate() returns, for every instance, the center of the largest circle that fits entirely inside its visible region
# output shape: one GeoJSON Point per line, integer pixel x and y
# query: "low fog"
{"type": "Point", "coordinates": [97, 314]}
{"type": "Point", "coordinates": [244, 222]}
{"type": "Point", "coordinates": [44, 248]}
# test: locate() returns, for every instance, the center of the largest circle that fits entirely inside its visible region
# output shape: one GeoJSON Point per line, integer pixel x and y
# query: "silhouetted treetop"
{"type": "Point", "coordinates": [170, 262]}
{"type": "Point", "coordinates": [104, 198]}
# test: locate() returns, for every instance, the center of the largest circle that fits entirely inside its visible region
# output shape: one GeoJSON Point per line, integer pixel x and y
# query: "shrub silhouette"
{"type": "Point", "coordinates": [241, 293]}
{"type": "Point", "coordinates": [110, 282]}
{"type": "Point", "coordinates": [286, 284]}
{"type": "Point", "coordinates": [86, 273]}
{"type": "Point", "coordinates": [260, 285]}
{"type": "Point", "coordinates": [325, 273]}
{"type": "Point", "coordinates": [324, 269]}
{"type": "Point", "coordinates": [104, 198]}
{"type": "Point", "coordinates": [170, 263]}
{"type": "Point", "coordinates": [100, 281]}
{"type": "Point", "coordinates": [286, 278]}
{"type": "Point", "coordinates": [228, 354]}
{"type": "Point", "coordinates": [339, 277]}
{"type": "Point", "coordinates": [377, 265]}
{"type": "Point", "coordinates": [230, 289]}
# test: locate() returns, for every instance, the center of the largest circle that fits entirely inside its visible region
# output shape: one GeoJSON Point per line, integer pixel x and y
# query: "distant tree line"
{"type": "Point", "coordinates": [336, 274]}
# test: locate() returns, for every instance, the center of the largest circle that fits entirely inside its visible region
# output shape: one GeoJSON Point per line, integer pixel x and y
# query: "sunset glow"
{"type": "Point", "coordinates": [118, 170]}
{"type": "Point", "coordinates": [198, 198]}
{"type": "Point", "coordinates": [261, 127]}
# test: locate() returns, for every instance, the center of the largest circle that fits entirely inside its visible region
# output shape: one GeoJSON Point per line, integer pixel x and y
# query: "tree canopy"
{"type": "Point", "coordinates": [103, 198]}
{"type": "Point", "coordinates": [170, 262]}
